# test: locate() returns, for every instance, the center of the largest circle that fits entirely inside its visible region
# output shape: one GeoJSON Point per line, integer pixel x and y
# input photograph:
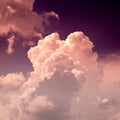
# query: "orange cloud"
{"type": "Point", "coordinates": [10, 48]}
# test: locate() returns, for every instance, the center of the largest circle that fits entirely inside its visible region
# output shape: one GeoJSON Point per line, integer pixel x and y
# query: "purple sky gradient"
{"type": "Point", "coordinates": [98, 19]}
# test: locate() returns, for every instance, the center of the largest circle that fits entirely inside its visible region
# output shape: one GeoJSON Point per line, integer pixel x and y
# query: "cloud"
{"type": "Point", "coordinates": [11, 80]}
{"type": "Point", "coordinates": [17, 16]}
{"type": "Point", "coordinates": [27, 3]}
{"type": "Point", "coordinates": [68, 82]}
{"type": "Point", "coordinates": [10, 86]}
{"type": "Point", "coordinates": [10, 48]}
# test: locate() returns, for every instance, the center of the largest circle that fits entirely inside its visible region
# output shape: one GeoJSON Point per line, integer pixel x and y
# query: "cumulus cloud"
{"type": "Point", "coordinates": [11, 80]}
{"type": "Point", "coordinates": [17, 16]}
{"type": "Point", "coordinates": [68, 82]}
{"type": "Point", "coordinates": [10, 86]}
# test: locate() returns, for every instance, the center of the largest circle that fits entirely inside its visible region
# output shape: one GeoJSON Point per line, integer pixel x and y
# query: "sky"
{"type": "Point", "coordinates": [59, 60]}
{"type": "Point", "coordinates": [98, 19]}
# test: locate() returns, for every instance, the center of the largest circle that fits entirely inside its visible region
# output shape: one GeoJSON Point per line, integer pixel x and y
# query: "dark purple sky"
{"type": "Point", "coordinates": [99, 20]}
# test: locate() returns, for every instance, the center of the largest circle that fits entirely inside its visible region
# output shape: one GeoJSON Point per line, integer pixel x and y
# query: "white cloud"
{"type": "Point", "coordinates": [68, 82]}
{"type": "Point", "coordinates": [11, 80]}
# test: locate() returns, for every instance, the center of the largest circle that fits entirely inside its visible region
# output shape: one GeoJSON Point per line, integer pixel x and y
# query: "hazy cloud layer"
{"type": "Point", "coordinates": [68, 83]}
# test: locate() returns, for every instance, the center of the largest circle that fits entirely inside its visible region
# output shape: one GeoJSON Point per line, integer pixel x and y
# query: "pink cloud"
{"type": "Point", "coordinates": [68, 82]}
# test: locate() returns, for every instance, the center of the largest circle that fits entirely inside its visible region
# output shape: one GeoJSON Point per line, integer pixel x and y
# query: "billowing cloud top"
{"type": "Point", "coordinates": [68, 82]}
